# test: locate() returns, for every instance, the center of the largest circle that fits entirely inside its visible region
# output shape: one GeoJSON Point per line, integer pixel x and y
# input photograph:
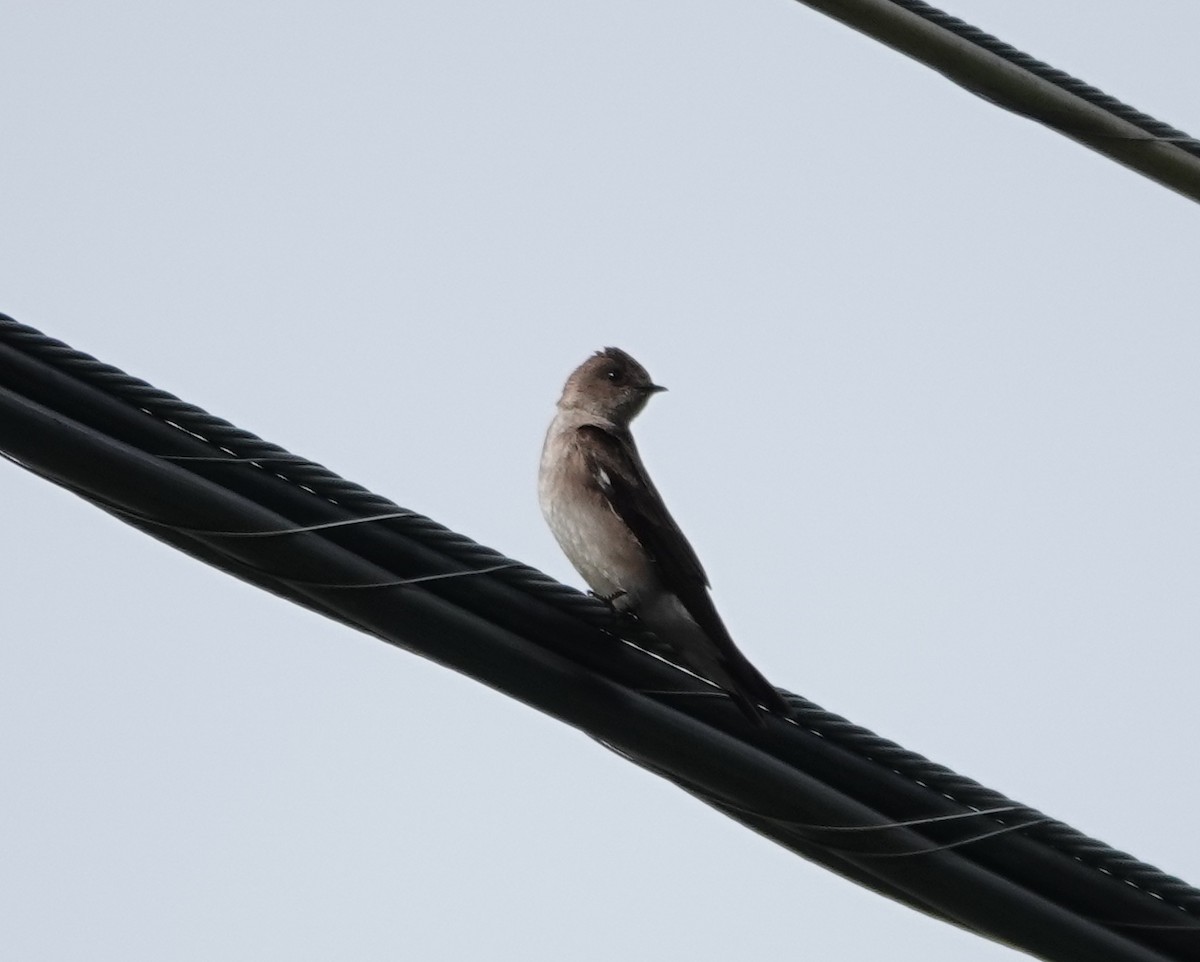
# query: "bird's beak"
{"type": "Point", "coordinates": [656, 388]}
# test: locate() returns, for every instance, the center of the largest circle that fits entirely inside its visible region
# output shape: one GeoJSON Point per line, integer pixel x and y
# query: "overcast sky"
{"type": "Point", "coordinates": [933, 427]}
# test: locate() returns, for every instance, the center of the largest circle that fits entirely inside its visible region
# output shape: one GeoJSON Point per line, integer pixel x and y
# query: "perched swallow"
{"type": "Point", "coordinates": [613, 526]}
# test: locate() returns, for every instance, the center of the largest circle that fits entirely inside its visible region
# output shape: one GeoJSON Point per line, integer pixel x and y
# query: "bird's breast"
{"type": "Point", "coordinates": [595, 540]}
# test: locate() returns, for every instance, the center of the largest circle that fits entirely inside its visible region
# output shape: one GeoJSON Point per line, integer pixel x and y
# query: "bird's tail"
{"type": "Point", "coordinates": [701, 642]}
{"type": "Point", "coordinates": [739, 679]}
{"type": "Point", "coordinates": [750, 690]}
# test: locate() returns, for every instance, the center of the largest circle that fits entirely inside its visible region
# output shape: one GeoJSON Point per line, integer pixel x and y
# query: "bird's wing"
{"type": "Point", "coordinates": [616, 471]}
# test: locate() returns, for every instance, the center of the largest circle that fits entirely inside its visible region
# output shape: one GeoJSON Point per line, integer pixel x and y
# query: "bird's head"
{"type": "Point", "coordinates": [610, 385]}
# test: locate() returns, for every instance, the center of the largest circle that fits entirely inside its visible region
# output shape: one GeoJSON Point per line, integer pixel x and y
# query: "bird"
{"type": "Point", "coordinates": [612, 524]}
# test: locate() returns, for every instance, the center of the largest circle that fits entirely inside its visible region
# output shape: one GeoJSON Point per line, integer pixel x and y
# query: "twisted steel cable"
{"type": "Point", "coordinates": [1156, 129]}
{"type": "Point", "coordinates": [1009, 78]}
{"type": "Point", "coordinates": [228, 440]}
{"type": "Point", "coordinates": [918, 785]}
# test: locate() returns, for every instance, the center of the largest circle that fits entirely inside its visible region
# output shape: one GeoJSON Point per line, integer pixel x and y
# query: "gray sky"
{"type": "Point", "coordinates": [932, 427]}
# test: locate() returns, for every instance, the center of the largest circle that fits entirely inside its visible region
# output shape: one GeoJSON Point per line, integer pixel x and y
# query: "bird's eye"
{"type": "Point", "coordinates": [613, 375]}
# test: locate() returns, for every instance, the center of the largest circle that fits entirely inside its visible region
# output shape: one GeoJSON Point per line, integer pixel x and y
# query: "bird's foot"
{"type": "Point", "coordinates": [611, 600]}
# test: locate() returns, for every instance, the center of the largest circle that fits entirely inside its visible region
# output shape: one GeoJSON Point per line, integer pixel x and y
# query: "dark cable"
{"type": "Point", "coordinates": [140, 454]}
